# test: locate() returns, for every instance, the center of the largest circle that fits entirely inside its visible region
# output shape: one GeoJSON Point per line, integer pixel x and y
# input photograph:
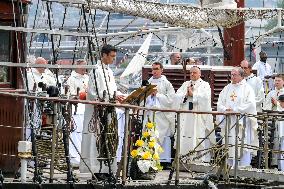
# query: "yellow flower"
{"type": "Point", "coordinates": [146, 155]}
{"type": "Point", "coordinates": [146, 134]}
{"type": "Point", "coordinates": [150, 125]}
{"type": "Point", "coordinates": [152, 140]}
{"type": "Point", "coordinates": [156, 156]}
{"type": "Point", "coordinates": [151, 144]}
{"type": "Point", "coordinates": [160, 150]}
{"type": "Point", "coordinates": [134, 153]}
{"type": "Point", "coordinates": [139, 143]}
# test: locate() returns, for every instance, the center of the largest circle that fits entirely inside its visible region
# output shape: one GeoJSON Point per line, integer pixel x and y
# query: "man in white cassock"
{"type": "Point", "coordinates": [100, 79]}
{"type": "Point", "coordinates": [36, 75]}
{"type": "Point", "coordinates": [162, 98]}
{"type": "Point", "coordinates": [270, 102]}
{"type": "Point", "coordinates": [280, 125]}
{"type": "Point", "coordinates": [264, 71]}
{"type": "Point", "coordinates": [238, 96]}
{"type": "Point", "coordinates": [77, 83]}
{"type": "Point", "coordinates": [255, 83]}
{"type": "Point", "coordinates": [195, 95]}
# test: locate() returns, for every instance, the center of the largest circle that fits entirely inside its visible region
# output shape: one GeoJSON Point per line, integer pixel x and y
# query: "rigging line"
{"type": "Point", "coordinates": [17, 44]}
{"type": "Point", "coordinates": [79, 28]}
{"type": "Point", "coordinates": [52, 43]}
{"type": "Point", "coordinates": [126, 26]}
{"type": "Point", "coordinates": [90, 51]}
{"type": "Point", "coordinates": [278, 49]}
{"type": "Point", "coordinates": [90, 48]}
{"type": "Point", "coordinates": [34, 22]}
{"type": "Point", "coordinates": [60, 36]}
{"type": "Point", "coordinates": [107, 26]}
{"type": "Point", "coordinates": [226, 53]}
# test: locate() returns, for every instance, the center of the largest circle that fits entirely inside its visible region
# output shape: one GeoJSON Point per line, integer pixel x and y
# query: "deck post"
{"type": "Point", "coordinates": [125, 146]}
{"type": "Point", "coordinates": [177, 156]}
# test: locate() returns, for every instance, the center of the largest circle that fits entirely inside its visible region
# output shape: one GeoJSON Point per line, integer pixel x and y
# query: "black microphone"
{"type": "Point", "coordinates": [145, 83]}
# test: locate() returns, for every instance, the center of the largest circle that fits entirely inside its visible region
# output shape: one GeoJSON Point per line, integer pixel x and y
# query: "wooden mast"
{"type": "Point", "coordinates": [234, 40]}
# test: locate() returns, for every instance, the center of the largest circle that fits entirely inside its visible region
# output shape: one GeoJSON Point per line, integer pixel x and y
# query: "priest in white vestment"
{"type": "Point", "coordinates": [36, 75]}
{"type": "Point", "coordinates": [77, 83]}
{"type": "Point", "coordinates": [264, 71]}
{"type": "Point", "coordinates": [238, 96]}
{"type": "Point", "coordinates": [271, 102]}
{"type": "Point", "coordinates": [255, 83]}
{"type": "Point", "coordinates": [195, 95]}
{"type": "Point", "coordinates": [104, 82]}
{"type": "Point", "coordinates": [162, 98]}
{"type": "Point", "coordinates": [280, 125]}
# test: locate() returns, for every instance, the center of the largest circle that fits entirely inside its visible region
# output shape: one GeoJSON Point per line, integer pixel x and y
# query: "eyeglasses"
{"type": "Point", "coordinates": [244, 68]}
{"type": "Point", "coordinates": [155, 68]}
{"type": "Point", "coordinates": [235, 75]}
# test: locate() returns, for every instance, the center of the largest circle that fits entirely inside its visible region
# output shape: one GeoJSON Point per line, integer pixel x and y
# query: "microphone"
{"type": "Point", "coordinates": [145, 83]}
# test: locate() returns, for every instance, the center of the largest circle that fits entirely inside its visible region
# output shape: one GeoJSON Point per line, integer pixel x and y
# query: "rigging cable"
{"type": "Point", "coordinates": [52, 43]}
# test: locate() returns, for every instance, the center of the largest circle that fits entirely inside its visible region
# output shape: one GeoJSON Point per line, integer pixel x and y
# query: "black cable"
{"type": "Point", "coordinates": [35, 17]}
{"type": "Point", "coordinates": [52, 43]}
{"type": "Point", "coordinates": [90, 50]}
{"type": "Point", "coordinates": [226, 53]}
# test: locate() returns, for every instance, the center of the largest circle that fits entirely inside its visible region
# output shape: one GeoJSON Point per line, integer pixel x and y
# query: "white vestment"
{"type": "Point", "coordinates": [89, 147]}
{"type": "Point", "coordinates": [280, 125]}
{"type": "Point", "coordinates": [34, 77]}
{"type": "Point", "coordinates": [264, 69]}
{"type": "Point", "coordinates": [195, 127]}
{"type": "Point", "coordinates": [240, 98]}
{"type": "Point", "coordinates": [267, 104]}
{"type": "Point", "coordinates": [257, 86]}
{"type": "Point", "coordinates": [164, 120]}
{"type": "Point", "coordinates": [77, 81]}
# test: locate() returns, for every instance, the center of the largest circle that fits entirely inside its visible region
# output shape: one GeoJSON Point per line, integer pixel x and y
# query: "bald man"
{"type": "Point", "coordinates": [194, 95]}
{"type": "Point", "coordinates": [36, 75]}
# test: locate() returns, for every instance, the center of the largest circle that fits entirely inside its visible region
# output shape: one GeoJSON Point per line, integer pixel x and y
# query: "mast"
{"type": "Point", "coordinates": [234, 40]}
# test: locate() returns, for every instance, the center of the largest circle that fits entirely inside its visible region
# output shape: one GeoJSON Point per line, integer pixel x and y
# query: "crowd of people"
{"type": "Point", "coordinates": [245, 94]}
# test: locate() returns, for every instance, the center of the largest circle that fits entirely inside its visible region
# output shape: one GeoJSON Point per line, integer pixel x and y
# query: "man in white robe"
{"type": "Point", "coordinates": [270, 102]}
{"type": "Point", "coordinates": [162, 98]}
{"type": "Point", "coordinates": [280, 125]}
{"type": "Point", "coordinates": [77, 83]}
{"type": "Point", "coordinates": [238, 96]}
{"type": "Point", "coordinates": [255, 83]}
{"type": "Point", "coordinates": [36, 75]}
{"type": "Point", "coordinates": [195, 95]}
{"type": "Point", "coordinates": [104, 82]}
{"type": "Point", "coordinates": [264, 71]}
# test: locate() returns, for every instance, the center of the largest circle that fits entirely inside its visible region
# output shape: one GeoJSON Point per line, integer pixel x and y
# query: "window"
{"type": "Point", "coordinates": [4, 55]}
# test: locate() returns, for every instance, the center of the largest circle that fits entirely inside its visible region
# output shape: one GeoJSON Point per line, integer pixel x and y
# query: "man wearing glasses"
{"type": "Point", "coordinates": [238, 96]}
{"type": "Point", "coordinates": [195, 95]}
{"type": "Point", "coordinates": [162, 98]}
{"type": "Point", "coordinates": [255, 83]}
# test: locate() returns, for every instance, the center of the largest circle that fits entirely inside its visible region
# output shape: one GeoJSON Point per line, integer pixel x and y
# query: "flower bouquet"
{"type": "Point", "coordinates": [145, 155]}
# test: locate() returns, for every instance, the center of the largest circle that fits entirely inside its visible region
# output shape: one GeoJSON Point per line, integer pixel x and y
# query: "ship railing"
{"type": "Point", "coordinates": [230, 121]}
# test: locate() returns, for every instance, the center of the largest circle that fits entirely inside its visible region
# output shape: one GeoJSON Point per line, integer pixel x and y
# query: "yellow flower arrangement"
{"type": "Point", "coordinates": [156, 156]}
{"type": "Point", "coordinates": [146, 134]}
{"type": "Point", "coordinates": [147, 149]}
{"type": "Point", "coordinates": [146, 155]}
{"type": "Point", "coordinates": [150, 125]}
{"type": "Point", "coordinates": [151, 144]}
{"type": "Point", "coordinates": [139, 143]}
{"type": "Point", "coordinates": [134, 153]}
